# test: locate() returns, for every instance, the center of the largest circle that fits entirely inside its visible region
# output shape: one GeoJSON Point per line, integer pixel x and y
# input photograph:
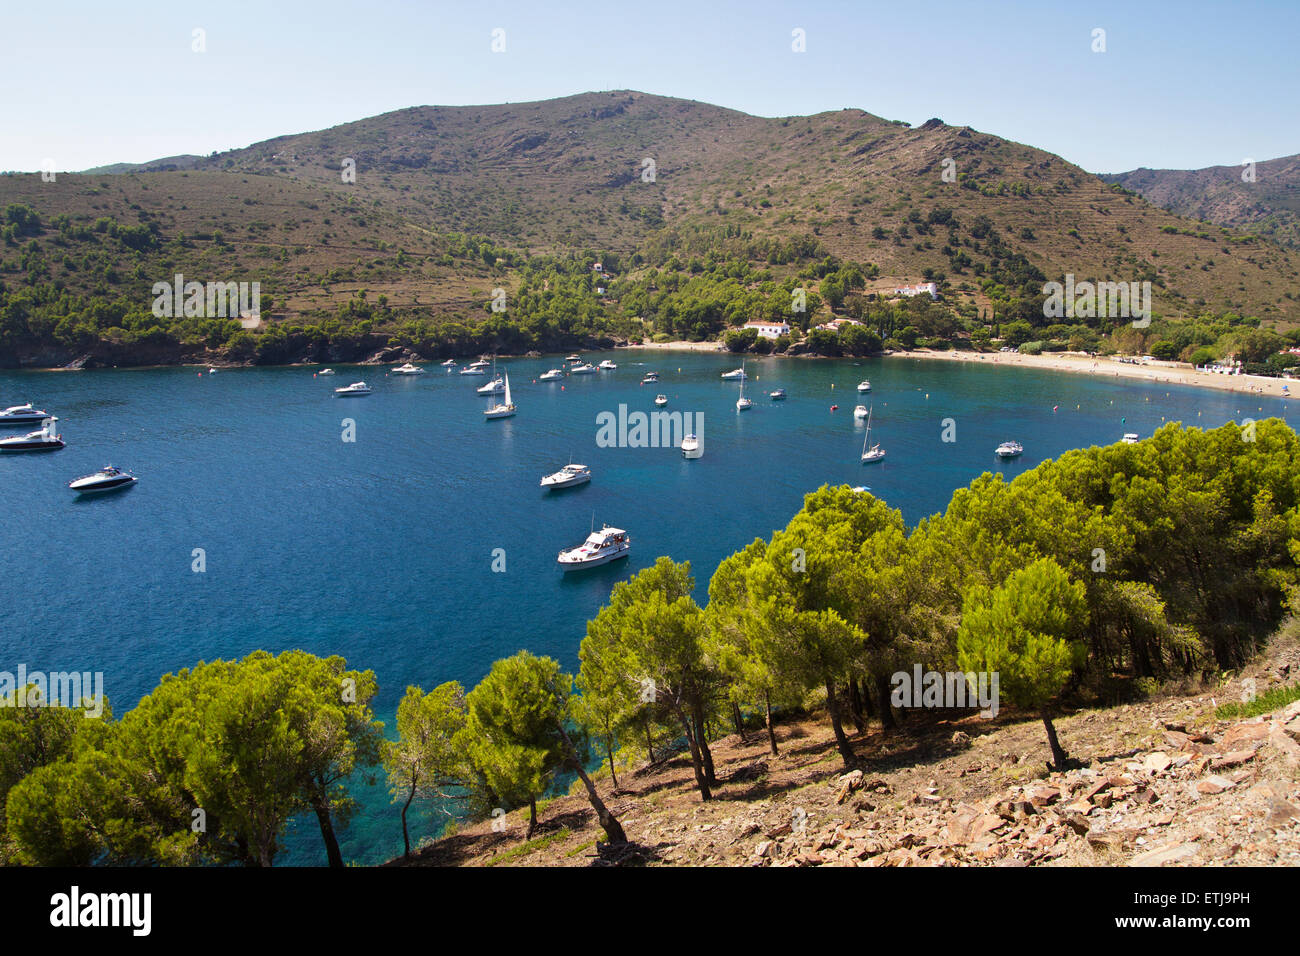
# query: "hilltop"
{"type": "Point", "coordinates": [431, 208]}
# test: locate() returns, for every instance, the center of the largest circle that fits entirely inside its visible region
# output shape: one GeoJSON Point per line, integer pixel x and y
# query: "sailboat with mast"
{"type": "Point", "coordinates": [743, 404]}
{"type": "Point", "coordinates": [875, 452]}
{"type": "Point", "coordinates": [506, 408]}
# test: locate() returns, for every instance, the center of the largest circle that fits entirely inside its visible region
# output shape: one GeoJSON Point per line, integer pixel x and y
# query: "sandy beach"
{"type": "Point", "coordinates": [1170, 373]}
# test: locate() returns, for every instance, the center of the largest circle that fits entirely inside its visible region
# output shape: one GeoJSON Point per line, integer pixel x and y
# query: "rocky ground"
{"type": "Point", "coordinates": [1163, 783]}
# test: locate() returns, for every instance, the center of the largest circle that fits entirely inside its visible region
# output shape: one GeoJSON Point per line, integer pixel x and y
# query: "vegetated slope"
{"type": "Point", "coordinates": [1167, 782]}
{"type": "Point", "coordinates": [1267, 205]}
{"type": "Point", "coordinates": [568, 176]}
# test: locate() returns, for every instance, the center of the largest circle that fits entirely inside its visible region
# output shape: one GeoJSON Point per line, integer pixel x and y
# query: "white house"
{"type": "Point", "coordinates": [834, 325]}
{"type": "Point", "coordinates": [911, 290]}
{"type": "Point", "coordinates": [769, 330]}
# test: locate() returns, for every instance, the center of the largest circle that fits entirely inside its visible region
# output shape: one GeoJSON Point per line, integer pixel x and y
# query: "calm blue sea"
{"type": "Point", "coordinates": [381, 550]}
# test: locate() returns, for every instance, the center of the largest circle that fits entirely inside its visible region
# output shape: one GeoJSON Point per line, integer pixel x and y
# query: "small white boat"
{"type": "Point", "coordinates": [1130, 438]}
{"type": "Point", "coordinates": [25, 415]}
{"type": "Point", "coordinates": [355, 389]}
{"type": "Point", "coordinates": [736, 374]}
{"type": "Point", "coordinates": [875, 452]}
{"type": "Point", "coordinates": [607, 365]}
{"type": "Point", "coordinates": [212, 371]}
{"type": "Point", "coordinates": [505, 408]}
{"type": "Point", "coordinates": [692, 447]}
{"type": "Point", "coordinates": [601, 547]}
{"type": "Point", "coordinates": [860, 412]}
{"type": "Point", "coordinates": [649, 378]}
{"type": "Point", "coordinates": [864, 386]}
{"type": "Point", "coordinates": [493, 387]}
{"type": "Point", "coordinates": [743, 404]}
{"type": "Point", "coordinates": [553, 375]}
{"type": "Point", "coordinates": [777, 396]}
{"type": "Point", "coordinates": [1009, 449]}
{"type": "Point", "coordinates": [859, 489]}
{"type": "Point", "coordinates": [43, 440]}
{"type": "Point", "coordinates": [573, 358]}
{"type": "Point", "coordinates": [583, 369]}
{"type": "Point", "coordinates": [474, 370]}
{"type": "Point", "coordinates": [107, 478]}
{"type": "Point", "coordinates": [408, 369]}
{"type": "Point", "coordinates": [450, 363]}
{"type": "Point", "coordinates": [567, 477]}
{"type": "Point", "coordinates": [326, 371]}
{"type": "Point", "coordinates": [481, 363]}
{"type": "Point", "coordinates": [661, 400]}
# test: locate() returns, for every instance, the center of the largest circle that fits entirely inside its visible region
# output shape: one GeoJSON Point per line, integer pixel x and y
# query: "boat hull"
{"type": "Point", "coordinates": [593, 562]}
{"type": "Point", "coordinates": [104, 488]}
{"type": "Point", "coordinates": [30, 446]}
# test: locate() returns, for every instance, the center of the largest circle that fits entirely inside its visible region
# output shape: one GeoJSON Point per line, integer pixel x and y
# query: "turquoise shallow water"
{"type": "Point", "coordinates": [381, 550]}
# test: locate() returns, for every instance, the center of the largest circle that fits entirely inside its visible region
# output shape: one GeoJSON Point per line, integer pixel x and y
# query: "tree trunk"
{"type": "Point", "coordinates": [855, 706]}
{"type": "Point", "coordinates": [697, 764]}
{"type": "Point", "coordinates": [321, 806]}
{"type": "Point", "coordinates": [705, 753]}
{"type": "Point", "coordinates": [841, 741]}
{"type": "Point", "coordinates": [608, 822]}
{"type": "Point", "coordinates": [886, 711]}
{"type": "Point", "coordinates": [771, 731]}
{"type": "Point", "coordinates": [740, 724]}
{"type": "Point", "coordinates": [406, 837]}
{"type": "Point", "coordinates": [613, 775]}
{"type": "Point", "coordinates": [649, 743]}
{"type": "Point", "coordinates": [864, 695]}
{"type": "Point", "coordinates": [532, 818]}
{"type": "Point", "coordinates": [1059, 757]}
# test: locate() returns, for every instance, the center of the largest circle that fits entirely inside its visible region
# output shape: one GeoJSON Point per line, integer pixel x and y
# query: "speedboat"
{"type": "Point", "coordinates": [864, 386]}
{"type": "Point", "coordinates": [355, 389]}
{"type": "Point", "coordinates": [408, 369]}
{"type": "Point", "coordinates": [43, 440]}
{"type": "Point", "coordinates": [567, 477]}
{"type": "Point", "coordinates": [553, 375]}
{"type": "Point", "coordinates": [692, 447]}
{"type": "Point", "coordinates": [503, 409]}
{"type": "Point", "coordinates": [778, 395]}
{"type": "Point", "coordinates": [661, 400]}
{"type": "Point", "coordinates": [573, 358]}
{"type": "Point", "coordinates": [24, 415]}
{"type": "Point", "coordinates": [608, 365]}
{"type": "Point", "coordinates": [1130, 438]}
{"type": "Point", "coordinates": [474, 369]}
{"type": "Point", "coordinates": [450, 363]}
{"type": "Point", "coordinates": [650, 377]}
{"type": "Point", "coordinates": [736, 374]}
{"type": "Point", "coordinates": [493, 387]}
{"type": "Point", "coordinates": [481, 363]}
{"type": "Point", "coordinates": [583, 369]}
{"type": "Point", "coordinates": [107, 478]}
{"type": "Point", "coordinates": [875, 452]}
{"type": "Point", "coordinates": [860, 489]}
{"type": "Point", "coordinates": [1009, 449]}
{"type": "Point", "coordinates": [326, 371]}
{"type": "Point", "coordinates": [601, 547]}
{"type": "Point", "coordinates": [212, 371]}
{"type": "Point", "coordinates": [860, 412]}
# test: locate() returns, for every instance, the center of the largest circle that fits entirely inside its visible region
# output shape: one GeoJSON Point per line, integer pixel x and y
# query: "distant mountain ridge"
{"type": "Point", "coordinates": [1264, 200]}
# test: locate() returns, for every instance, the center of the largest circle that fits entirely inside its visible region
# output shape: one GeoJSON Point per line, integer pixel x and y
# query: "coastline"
{"type": "Point", "coordinates": [1168, 373]}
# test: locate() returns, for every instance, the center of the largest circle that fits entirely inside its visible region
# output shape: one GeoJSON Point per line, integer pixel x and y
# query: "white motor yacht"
{"type": "Point", "coordinates": [24, 415]}
{"type": "Point", "coordinates": [583, 369]}
{"type": "Point", "coordinates": [326, 371]}
{"type": "Point", "coordinates": [692, 447]}
{"type": "Point", "coordinates": [494, 387]}
{"type": "Point", "coordinates": [864, 386]}
{"type": "Point", "coordinates": [355, 389]}
{"type": "Point", "coordinates": [408, 369]}
{"type": "Point", "coordinates": [554, 375]}
{"type": "Point", "coordinates": [567, 477]}
{"type": "Point", "coordinates": [736, 374]}
{"type": "Point", "coordinates": [1009, 449]}
{"type": "Point", "coordinates": [860, 412]}
{"type": "Point", "coordinates": [43, 440]}
{"type": "Point", "coordinates": [474, 370]}
{"type": "Point", "coordinates": [107, 478]}
{"type": "Point", "coordinates": [450, 363]}
{"type": "Point", "coordinates": [607, 365]}
{"type": "Point", "coordinates": [505, 408]}
{"type": "Point", "coordinates": [601, 547]}
{"type": "Point", "coordinates": [661, 400]}
{"type": "Point", "coordinates": [1130, 438]}
{"type": "Point", "coordinates": [573, 358]}
{"type": "Point", "coordinates": [650, 377]}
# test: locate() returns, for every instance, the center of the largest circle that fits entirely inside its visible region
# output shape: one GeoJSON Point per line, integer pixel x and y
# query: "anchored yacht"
{"type": "Point", "coordinates": [107, 478]}
{"type": "Point", "coordinates": [43, 440]}
{"type": "Point", "coordinates": [355, 389]}
{"type": "Point", "coordinates": [692, 447]}
{"type": "Point", "coordinates": [601, 547]}
{"type": "Point", "coordinates": [554, 375]}
{"type": "Point", "coordinates": [408, 369]}
{"type": "Point", "coordinates": [567, 477]}
{"type": "Point", "coordinates": [1009, 449]}
{"type": "Point", "coordinates": [505, 408]}
{"type": "Point", "coordinates": [24, 415]}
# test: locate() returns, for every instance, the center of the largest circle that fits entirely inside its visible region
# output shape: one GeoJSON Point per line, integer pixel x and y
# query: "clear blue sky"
{"type": "Point", "coordinates": [1181, 84]}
